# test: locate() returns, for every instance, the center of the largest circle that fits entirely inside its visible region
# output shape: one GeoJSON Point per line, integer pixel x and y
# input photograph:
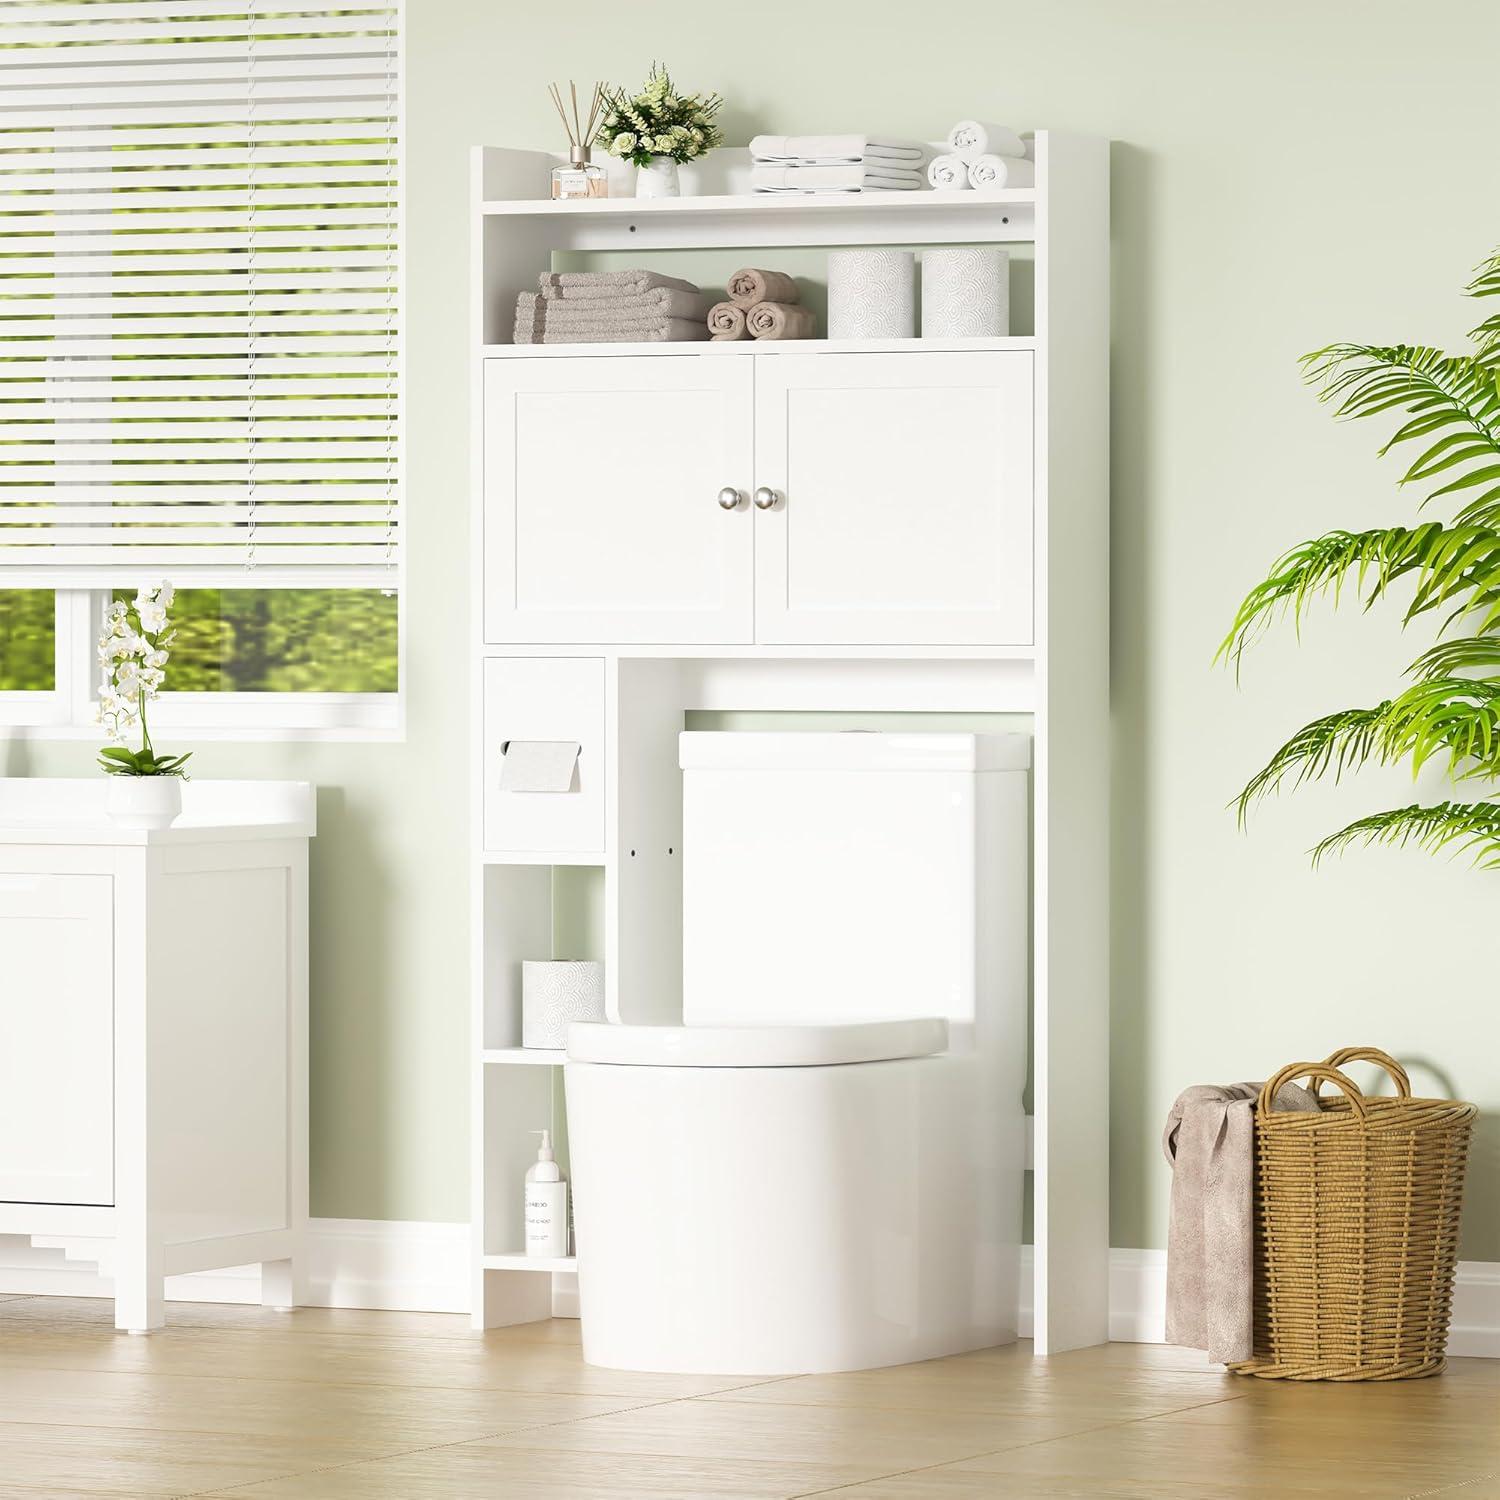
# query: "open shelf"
{"type": "Point", "coordinates": [518, 1260]}
{"type": "Point", "coordinates": [537, 1057]}
{"type": "Point", "coordinates": [732, 349]}
{"type": "Point", "coordinates": [720, 205]}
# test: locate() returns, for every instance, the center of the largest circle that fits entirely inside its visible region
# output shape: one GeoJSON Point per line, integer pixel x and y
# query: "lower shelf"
{"type": "Point", "coordinates": [546, 1057]}
{"type": "Point", "coordinates": [519, 1261]}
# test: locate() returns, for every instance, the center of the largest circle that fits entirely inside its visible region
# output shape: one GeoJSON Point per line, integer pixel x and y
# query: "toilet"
{"type": "Point", "coordinates": [821, 1168]}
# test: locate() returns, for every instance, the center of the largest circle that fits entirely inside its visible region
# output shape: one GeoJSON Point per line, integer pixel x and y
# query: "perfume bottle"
{"type": "Point", "coordinates": [581, 178]}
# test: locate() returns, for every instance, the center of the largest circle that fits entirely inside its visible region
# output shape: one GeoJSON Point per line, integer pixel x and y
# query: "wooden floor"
{"type": "Point", "coordinates": [338, 1405]}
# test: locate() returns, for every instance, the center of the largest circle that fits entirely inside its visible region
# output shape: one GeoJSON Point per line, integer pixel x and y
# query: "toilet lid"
{"type": "Point", "coordinates": [755, 1046]}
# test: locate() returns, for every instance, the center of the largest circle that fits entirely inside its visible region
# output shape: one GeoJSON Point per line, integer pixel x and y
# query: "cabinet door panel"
{"type": "Point", "coordinates": [602, 520]}
{"type": "Point", "coordinates": [904, 498]}
{"type": "Point", "coordinates": [56, 1039]}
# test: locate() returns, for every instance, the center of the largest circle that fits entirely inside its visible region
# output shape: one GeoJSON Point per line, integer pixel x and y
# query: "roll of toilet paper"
{"type": "Point", "coordinates": [965, 292]}
{"type": "Point", "coordinates": [555, 993]}
{"type": "Point", "coordinates": [538, 765]}
{"type": "Point", "coordinates": [871, 294]}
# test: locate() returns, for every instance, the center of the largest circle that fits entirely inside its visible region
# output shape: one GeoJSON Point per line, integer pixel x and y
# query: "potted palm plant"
{"type": "Point", "coordinates": [145, 789]}
{"type": "Point", "coordinates": [1448, 713]}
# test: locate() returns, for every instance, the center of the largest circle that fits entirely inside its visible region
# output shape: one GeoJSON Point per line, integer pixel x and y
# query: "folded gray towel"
{"type": "Point", "coordinates": [1209, 1141]}
{"type": "Point", "coordinates": [583, 284]}
{"type": "Point", "coordinates": [662, 303]}
{"type": "Point", "coordinates": [603, 331]}
{"type": "Point", "coordinates": [668, 300]}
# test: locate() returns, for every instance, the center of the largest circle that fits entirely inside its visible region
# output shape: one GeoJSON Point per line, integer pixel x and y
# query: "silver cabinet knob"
{"type": "Point", "coordinates": [729, 499]}
{"type": "Point", "coordinates": [765, 499]}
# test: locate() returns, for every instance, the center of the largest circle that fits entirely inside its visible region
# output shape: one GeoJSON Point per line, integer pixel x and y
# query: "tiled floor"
{"type": "Point", "coordinates": [237, 1401]}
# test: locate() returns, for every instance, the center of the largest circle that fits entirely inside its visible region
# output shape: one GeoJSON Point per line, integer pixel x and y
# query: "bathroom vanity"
{"type": "Point", "coordinates": [153, 1034]}
{"type": "Point", "coordinates": [916, 526]}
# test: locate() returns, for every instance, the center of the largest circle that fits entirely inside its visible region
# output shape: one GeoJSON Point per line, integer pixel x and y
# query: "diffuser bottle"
{"type": "Point", "coordinates": [581, 178]}
{"type": "Point", "coordinates": [546, 1204]}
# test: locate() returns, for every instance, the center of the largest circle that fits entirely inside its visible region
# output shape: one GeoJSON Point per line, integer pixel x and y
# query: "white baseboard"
{"type": "Point", "coordinates": [1138, 1302]}
{"type": "Point", "coordinates": [424, 1267]}
{"type": "Point", "coordinates": [375, 1263]}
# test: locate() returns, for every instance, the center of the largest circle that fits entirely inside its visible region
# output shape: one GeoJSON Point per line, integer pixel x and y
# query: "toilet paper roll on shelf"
{"type": "Point", "coordinates": [871, 294]}
{"type": "Point", "coordinates": [555, 993]}
{"type": "Point", "coordinates": [539, 765]}
{"type": "Point", "coordinates": [965, 292]}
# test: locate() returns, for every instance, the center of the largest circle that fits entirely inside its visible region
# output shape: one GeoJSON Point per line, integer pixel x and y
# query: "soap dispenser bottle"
{"type": "Point", "coordinates": [546, 1215]}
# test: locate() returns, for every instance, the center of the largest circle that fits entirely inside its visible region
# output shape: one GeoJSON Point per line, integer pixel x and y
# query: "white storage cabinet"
{"type": "Point", "coordinates": [153, 1034]}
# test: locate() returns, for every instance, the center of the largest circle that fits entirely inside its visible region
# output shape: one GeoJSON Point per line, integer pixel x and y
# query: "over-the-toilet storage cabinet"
{"type": "Point", "coordinates": [910, 525]}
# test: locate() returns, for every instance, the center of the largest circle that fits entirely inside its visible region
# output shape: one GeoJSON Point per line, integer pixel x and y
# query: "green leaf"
{"type": "Point", "coordinates": [1473, 827]}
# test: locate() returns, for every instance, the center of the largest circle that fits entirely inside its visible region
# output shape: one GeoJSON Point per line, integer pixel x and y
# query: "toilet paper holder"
{"type": "Point", "coordinates": [505, 749]}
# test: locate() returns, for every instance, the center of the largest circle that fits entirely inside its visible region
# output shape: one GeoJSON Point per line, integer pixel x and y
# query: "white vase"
{"type": "Point", "coordinates": [144, 801]}
{"type": "Point", "coordinates": [657, 179]}
{"type": "Point", "coordinates": [555, 993]}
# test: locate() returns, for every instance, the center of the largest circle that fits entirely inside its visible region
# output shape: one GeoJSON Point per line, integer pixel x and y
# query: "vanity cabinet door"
{"type": "Point", "coordinates": [898, 498]}
{"type": "Point", "coordinates": [56, 1039]}
{"type": "Point", "coordinates": [603, 519]}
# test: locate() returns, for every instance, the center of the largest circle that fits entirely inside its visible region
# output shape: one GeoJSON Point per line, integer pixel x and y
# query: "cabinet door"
{"type": "Point", "coordinates": [56, 1039]}
{"type": "Point", "coordinates": [601, 511]}
{"type": "Point", "coordinates": [902, 488]}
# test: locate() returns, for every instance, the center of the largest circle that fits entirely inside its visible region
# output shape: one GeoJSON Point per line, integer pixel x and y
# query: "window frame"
{"type": "Point", "coordinates": [68, 710]}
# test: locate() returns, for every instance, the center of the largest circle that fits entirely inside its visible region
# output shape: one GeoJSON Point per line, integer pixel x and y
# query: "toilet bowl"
{"type": "Point", "coordinates": [821, 1169]}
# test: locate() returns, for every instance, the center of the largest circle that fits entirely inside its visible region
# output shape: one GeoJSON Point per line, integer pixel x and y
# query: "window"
{"type": "Point", "coordinates": [199, 351]}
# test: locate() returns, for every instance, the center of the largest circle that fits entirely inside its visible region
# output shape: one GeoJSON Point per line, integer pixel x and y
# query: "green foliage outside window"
{"type": "Point", "coordinates": [28, 641]}
{"type": "Point", "coordinates": [282, 641]}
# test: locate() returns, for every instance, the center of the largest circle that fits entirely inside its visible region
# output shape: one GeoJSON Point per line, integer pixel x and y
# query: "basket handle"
{"type": "Point", "coordinates": [1376, 1056]}
{"type": "Point", "coordinates": [1318, 1073]}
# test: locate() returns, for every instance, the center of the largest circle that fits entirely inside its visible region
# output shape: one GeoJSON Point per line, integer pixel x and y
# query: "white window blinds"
{"type": "Point", "coordinates": [199, 250]}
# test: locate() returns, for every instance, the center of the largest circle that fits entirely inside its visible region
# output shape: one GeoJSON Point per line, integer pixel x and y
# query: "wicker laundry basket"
{"type": "Point", "coordinates": [1356, 1228]}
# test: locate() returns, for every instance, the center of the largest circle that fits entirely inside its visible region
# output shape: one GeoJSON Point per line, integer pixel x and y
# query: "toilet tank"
{"type": "Point", "coordinates": [855, 876]}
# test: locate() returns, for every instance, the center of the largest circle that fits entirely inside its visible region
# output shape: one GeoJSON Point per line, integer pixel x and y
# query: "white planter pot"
{"type": "Point", "coordinates": [144, 801]}
{"type": "Point", "coordinates": [658, 179]}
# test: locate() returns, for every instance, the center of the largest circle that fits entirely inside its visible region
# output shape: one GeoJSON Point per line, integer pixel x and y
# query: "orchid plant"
{"type": "Point", "coordinates": [134, 646]}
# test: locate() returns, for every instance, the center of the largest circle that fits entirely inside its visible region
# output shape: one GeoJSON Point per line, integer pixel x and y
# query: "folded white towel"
{"type": "Point", "coordinates": [949, 170]}
{"type": "Point", "coordinates": [850, 177]}
{"type": "Point", "coordinates": [1001, 172]}
{"type": "Point", "coordinates": [836, 148]}
{"type": "Point", "coordinates": [972, 139]}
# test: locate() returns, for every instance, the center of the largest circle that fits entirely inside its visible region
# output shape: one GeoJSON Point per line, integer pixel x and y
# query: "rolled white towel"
{"type": "Point", "coordinates": [972, 139]}
{"type": "Point", "coordinates": [949, 170]}
{"type": "Point", "coordinates": [993, 171]}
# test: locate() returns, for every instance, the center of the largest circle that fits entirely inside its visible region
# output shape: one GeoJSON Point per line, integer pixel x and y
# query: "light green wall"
{"type": "Point", "coordinates": [1283, 175]}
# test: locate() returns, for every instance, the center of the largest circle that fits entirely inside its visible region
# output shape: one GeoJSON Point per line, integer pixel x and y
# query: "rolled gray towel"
{"type": "Point", "coordinates": [749, 286]}
{"type": "Point", "coordinates": [726, 321]}
{"type": "Point", "coordinates": [779, 320]}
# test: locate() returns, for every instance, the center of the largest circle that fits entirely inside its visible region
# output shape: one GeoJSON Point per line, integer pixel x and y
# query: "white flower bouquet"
{"type": "Point", "coordinates": [133, 651]}
{"type": "Point", "coordinates": [660, 121]}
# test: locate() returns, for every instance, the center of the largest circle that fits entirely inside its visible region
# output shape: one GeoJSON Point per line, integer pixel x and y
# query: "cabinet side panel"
{"type": "Point", "coordinates": [1073, 753]}
{"type": "Point", "coordinates": [220, 1020]}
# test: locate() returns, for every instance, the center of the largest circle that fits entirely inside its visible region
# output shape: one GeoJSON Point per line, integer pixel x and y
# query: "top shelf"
{"type": "Point", "coordinates": [716, 208]}
{"type": "Point", "coordinates": [717, 205]}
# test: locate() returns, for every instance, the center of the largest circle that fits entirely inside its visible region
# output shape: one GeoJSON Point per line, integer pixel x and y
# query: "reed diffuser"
{"type": "Point", "coordinates": [581, 178]}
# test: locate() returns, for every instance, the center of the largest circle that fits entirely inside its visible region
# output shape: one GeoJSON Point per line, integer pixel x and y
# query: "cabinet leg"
{"type": "Point", "coordinates": [140, 1303]}
{"type": "Point", "coordinates": [283, 1284]}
